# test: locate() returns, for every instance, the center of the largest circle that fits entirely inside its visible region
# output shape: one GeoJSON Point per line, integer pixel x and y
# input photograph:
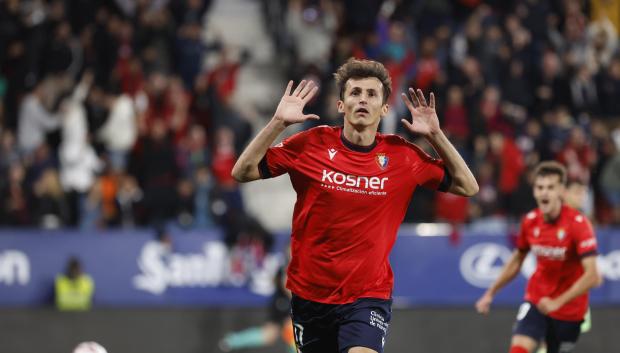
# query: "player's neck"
{"type": "Point", "coordinates": [360, 137]}
{"type": "Point", "coordinates": [553, 215]}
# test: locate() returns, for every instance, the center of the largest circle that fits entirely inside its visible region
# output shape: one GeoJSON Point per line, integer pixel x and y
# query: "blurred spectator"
{"type": "Point", "coordinates": [521, 200]}
{"type": "Point", "coordinates": [189, 11]}
{"type": "Point", "coordinates": [227, 200]}
{"type": "Point", "coordinates": [154, 36]}
{"type": "Point", "coordinates": [34, 120]}
{"type": "Point", "coordinates": [577, 196]}
{"type": "Point", "coordinates": [63, 51]}
{"type": "Point", "coordinates": [8, 151]}
{"type": "Point", "coordinates": [551, 85]}
{"type": "Point", "coordinates": [103, 195]}
{"type": "Point", "coordinates": [610, 183]}
{"type": "Point", "coordinates": [510, 165]}
{"type": "Point", "coordinates": [168, 102]}
{"type": "Point", "coordinates": [224, 157]}
{"type": "Point", "coordinates": [609, 89]}
{"type": "Point", "coordinates": [74, 290]}
{"type": "Point", "coordinates": [79, 163]}
{"type": "Point", "coordinates": [224, 74]}
{"type": "Point", "coordinates": [471, 80]}
{"type": "Point", "coordinates": [202, 198]}
{"type": "Point", "coordinates": [517, 89]}
{"type": "Point", "coordinates": [185, 206]}
{"type": "Point", "coordinates": [456, 119]}
{"type": "Point", "coordinates": [360, 15]}
{"type": "Point", "coordinates": [493, 116]}
{"type": "Point", "coordinates": [486, 202]}
{"type": "Point", "coordinates": [190, 52]}
{"type": "Point", "coordinates": [193, 151]}
{"type": "Point", "coordinates": [119, 131]}
{"type": "Point", "coordinates": [50, 207]}
{"type": "Point", "coordinates": [605, 9]}
{"type": "Point", "coordinates": [584, 95]}
{"type": "Point", "coordinates": [602, 44]}
{"type": "Point", "coordinates": [312, 26]}
{"type": "Point", "coordinates": [398, 57]}
{"type": "Point", "coordinates": [427, 65]}
{"type": "Point", "coordinates": [203, 101]}
{"type": "Point", "coordinates": [14, 209]}
{"type": "Point", "coordinates": [577, 155]}
{"type": "Point", "coordinates": [128, 198]}
{"type": "Point", "coordinates": [157, 172]}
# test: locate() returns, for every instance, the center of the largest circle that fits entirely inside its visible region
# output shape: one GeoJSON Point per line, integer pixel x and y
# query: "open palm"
{"type": "Point", "coordinates": [291, 106]}
{"type": "Point", "coordinates": [424, 120]}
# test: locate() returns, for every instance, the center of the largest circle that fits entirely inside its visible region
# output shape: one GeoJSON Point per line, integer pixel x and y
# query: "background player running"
{"type": "Point", "coordinates": [556, 298]}
{"type": "Point", "coordinates": [353, 187]}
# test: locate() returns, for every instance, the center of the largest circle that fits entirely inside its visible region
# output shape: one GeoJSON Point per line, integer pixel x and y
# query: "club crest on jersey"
{"type": "Point", "coordinates": [382, 160]}
{"type": "Point", "coordinates": [536, 232]}
{"type": "Point", "coordinates": [561, 234]}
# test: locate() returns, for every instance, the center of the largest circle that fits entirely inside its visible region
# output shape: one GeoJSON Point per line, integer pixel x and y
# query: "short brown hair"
{"type": "Point", "coordinates": [551, 168]}
{"type": "Point", "coordinates": [360, 68]}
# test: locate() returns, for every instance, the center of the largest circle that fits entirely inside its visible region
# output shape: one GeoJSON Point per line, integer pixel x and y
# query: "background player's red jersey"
{"type": "Point", "coordinates": [350, 203]}
{"type": "Point", "coordinates": [559, 247]}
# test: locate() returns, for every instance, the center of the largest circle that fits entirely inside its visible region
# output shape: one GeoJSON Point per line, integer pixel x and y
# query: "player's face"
{"type": "Point", "coordinates": [548, 191]}
{"type": "Point", "coordinates": [363, 102]}
{"type": "Point", "coordinates": [576, 195]}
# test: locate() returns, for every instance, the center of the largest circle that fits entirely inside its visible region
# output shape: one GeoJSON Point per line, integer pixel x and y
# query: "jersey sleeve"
{"type": "Point", "coordinates": [281, 158]}
{"type": "Point", "coordinates": [521, 243]}
{"type": "Point", "coordinates": [430, 172]}
{"type": "Point", "coordinates": [583, 233]}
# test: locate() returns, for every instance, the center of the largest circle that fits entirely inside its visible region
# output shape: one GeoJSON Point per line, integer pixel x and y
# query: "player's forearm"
{"type": "Point", "coordinates": [246, 167]}
{"type": "Point", "coordinates": [509, 272]}
{"type": "Point", "coordinates": [463, 181]}
{"type": "Point", "coordinates": [589, 279]}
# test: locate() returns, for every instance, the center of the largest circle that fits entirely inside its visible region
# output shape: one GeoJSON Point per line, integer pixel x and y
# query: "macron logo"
{"type": "Point", "coordinates": [332, 153]}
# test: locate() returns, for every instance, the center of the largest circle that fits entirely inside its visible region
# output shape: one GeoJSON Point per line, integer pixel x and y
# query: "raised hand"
{"type": "Point", "coordinates": [424, 117]}
{"type": "Point", "coordinates": [290, 109]}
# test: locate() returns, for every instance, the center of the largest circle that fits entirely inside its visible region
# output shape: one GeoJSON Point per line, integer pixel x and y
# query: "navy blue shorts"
{"type": "Point", "coordinates": [559, 335]}
{"type": "Point", "coordinates": [334, 328]}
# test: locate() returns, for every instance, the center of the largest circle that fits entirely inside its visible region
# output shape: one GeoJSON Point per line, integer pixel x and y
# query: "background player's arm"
{"type": "Point", "coordinates": [425, 122]}
{"type": "Point", "coordinates": [289, 111]}
{"type": "Point", "coordinates": [509, 272]}
{"type": "Point", "coordinates": [589, 279]}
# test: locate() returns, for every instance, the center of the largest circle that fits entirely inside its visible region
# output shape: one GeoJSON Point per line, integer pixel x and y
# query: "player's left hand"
{"type": "Point", "coordinates": [546, 305]}
{"type": "Point", "coordinates": [424, 120]}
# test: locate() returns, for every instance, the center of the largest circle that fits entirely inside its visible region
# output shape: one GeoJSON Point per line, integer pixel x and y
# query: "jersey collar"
{"type": "Point", "coordinates": [556, 219]}
{"type": "Point", "coordinates": [357, 148]}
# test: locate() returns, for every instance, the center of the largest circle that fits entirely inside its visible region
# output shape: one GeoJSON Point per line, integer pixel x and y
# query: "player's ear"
{"type": "Point", "coordinates": [340, 106]}
{"type": "Point", "coordinates": [384, 110]}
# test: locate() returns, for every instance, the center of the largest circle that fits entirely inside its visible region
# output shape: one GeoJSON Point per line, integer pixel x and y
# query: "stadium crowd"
{"type": "Point", "coordinates": [120, 113]}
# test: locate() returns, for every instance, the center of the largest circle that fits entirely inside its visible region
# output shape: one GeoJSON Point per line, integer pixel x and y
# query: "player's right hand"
{"type": "Point", "coordinates": [483, 305]}
{"type": "Point", "coordinates": [290, 109]}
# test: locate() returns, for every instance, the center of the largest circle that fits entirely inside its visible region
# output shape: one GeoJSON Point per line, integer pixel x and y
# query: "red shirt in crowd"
{"type": "Point", "coordinates": [559, 247]}
{"type": "Point", "coordinates": [351, 201]}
